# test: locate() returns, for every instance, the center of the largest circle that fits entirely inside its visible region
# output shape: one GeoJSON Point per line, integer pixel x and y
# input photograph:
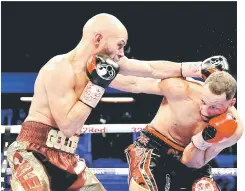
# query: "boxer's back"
{"type": "Point", "coordinates": [64, 73]}
{"type": "Point", "coordinates": [179, 117]}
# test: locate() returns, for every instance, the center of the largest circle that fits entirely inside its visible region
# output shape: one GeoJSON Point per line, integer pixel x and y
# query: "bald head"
{"type": "Point", "coordinates": [104, 24]}
{"type": "Point", "coordinates": [105, 34]}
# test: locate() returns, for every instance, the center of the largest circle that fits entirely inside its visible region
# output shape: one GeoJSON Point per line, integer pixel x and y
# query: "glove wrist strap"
{"type": "Point", "coordinates": [92, 94]}
{"type": "Point", "coordinates": [191, 69]}
{"type": "Point", "coordinates": [199, 142]}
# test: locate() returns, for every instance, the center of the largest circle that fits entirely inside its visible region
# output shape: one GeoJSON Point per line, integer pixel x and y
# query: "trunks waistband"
{"type": "Point", "coordinates": [159, 138]}
{"type": "Point", "coordinates": [47, 136]}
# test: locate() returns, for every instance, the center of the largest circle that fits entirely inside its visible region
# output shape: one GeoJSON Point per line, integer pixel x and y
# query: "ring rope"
{"type": "Point", "coordinates": [108, 128]}
{"type": "Point", "coordinates": [93, 128]}
{"type": "Point", "coordinates": [124, 171]}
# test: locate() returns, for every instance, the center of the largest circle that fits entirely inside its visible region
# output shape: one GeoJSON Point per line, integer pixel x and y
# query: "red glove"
{"type": "Point", "coordinates": [101, 70]}
{"type": "Point", "coordinates": [219, 129]}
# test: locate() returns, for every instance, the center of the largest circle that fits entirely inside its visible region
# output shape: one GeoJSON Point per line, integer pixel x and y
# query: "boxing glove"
{"type": "Point", "coordinates": [205, 68]}
{"type": "Point", "coordinates": [213, 64]}
{"type": "Point", "coordinates": [219, 129]}
{"type": "Point", "coordinates": [101, 70]}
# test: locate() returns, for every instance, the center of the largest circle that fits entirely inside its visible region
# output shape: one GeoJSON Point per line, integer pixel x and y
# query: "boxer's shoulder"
{"type": "Point", "coordinates": [174, 87]}
{"type": "Point", "coordinates": [178, 83]}
{"type": "Point", "coordinates": [57, 68]}
{"type": "Point", "coordinates": [58, 63]}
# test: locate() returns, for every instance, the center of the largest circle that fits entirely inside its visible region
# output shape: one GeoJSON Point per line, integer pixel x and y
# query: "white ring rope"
{"type": "Point", "coordinates": [115, 128]}
{"type": "Point", "coordinates": [103, 99]}
{"type": "Point", "coordinates": [96, 128]}
{"type": "Point", "coordinates": [124, 171]}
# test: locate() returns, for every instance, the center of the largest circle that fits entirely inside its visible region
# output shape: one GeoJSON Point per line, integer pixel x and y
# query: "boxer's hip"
{"type": "Point", "coordinates": [47, 149]}
{"type": "Point", "coordinates": [47, 136]}
{"type": "Point", "coordinates": [150, 138]}
{"type": "Point", "coordinates": [154, 162]}
{"type": "Point", "coordinates": [49, 172]}
{"type": "Point", "coordinates": [148, 157]}
{"type": "Point", "coordinates": [49, 143]}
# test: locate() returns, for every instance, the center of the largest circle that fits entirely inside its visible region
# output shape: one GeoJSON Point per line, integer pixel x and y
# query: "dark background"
{"type": "Point", "coordinates": [34, 32]}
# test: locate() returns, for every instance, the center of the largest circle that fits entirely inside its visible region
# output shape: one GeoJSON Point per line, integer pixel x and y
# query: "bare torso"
{"type": "Point", "coordinates": [39, 109]}
{"type": "Point", "coordinates": [179, 117]}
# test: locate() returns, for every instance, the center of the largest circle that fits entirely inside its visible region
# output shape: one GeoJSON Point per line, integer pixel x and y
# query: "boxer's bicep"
{"type": "Point", "coordinates": [136, 84]}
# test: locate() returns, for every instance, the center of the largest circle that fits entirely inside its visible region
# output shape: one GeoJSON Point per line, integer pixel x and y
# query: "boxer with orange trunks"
{"type": "Point", "coordinates": [193, 124]}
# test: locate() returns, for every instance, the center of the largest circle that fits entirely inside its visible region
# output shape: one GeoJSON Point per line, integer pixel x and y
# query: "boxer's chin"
{"type": "Point", "coordinates": [204, 118]}
{"type": "Point", "coordinates": [115, 58]}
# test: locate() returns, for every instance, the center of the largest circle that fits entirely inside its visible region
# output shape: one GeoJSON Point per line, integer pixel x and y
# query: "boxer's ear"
{"type": "Point", "coordinates": [98, 38]}
{"type": "Point", "coordinates": [233, 101]}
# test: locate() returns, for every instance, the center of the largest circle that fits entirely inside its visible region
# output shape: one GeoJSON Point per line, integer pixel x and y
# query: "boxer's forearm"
{"type": "Point", "coordinates": [157, 69]}
{"type": "Point", "coordinates": [135, 84]}
{"type": "Point", "coordinates": [193, 157]}
{"type": "Point", "coordinates": [152, 69]}
{"type": "Point", "coordinates": [76, 118]}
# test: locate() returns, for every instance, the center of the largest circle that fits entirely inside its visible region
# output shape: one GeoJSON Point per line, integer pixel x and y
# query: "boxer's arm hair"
{"type": "Point", "coordinates": [168, 87]}
{"type": "Point", "coordinates": [136, 84]}
{"type": "Point", "coordinates": [195, 158]}
{"type": "Point", "coordinates": [153, 69]}
{"type": "Point", "coordinates": [68, 112]}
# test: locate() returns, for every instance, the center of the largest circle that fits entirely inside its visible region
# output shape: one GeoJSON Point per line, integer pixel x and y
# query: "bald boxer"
{"type": "Point", "coordinates": [194, 123]}
{"type": "Point", "coordinates": [67, 88]}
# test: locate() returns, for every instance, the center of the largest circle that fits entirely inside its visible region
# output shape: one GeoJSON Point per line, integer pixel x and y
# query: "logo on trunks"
{"type": "Point", "coordinates": [143, 139]}
{"type": "Point", "coordinates": [174, 153]}
{"type": "Point", "coordinates": [137, 129]}
{"type": "Point", "coordinates": [204, 184]}
{"type": "Point", "coordinates": [105, 71]}
{"type": "Point", "coordinates": [56, 139]}
{"type": "Point", "coordinates": [25, 174]}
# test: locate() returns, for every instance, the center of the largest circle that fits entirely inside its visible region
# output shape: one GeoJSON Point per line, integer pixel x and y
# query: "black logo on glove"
{"type": "Point", "coordinates": [220, 62]}
{"type": "Point", "coordinates": [105, 71]}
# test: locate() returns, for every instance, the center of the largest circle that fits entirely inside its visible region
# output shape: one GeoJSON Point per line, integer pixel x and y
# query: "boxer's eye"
{"type": "Point", "coordinates": [203, 102]}
{"type": "Point", "coordinates": [120, 46]}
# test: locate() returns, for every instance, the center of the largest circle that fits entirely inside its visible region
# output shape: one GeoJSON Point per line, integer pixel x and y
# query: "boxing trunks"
{"type": "Point", "coordinates": [154, 165]}
{"type": "Point", "coordinates": [43, 159]}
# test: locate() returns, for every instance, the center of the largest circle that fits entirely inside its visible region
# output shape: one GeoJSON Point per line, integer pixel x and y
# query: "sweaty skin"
{"type": "Point", "coordinates": [179, 115]}
{"type": "Point", "coordinates": [62, 79]}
